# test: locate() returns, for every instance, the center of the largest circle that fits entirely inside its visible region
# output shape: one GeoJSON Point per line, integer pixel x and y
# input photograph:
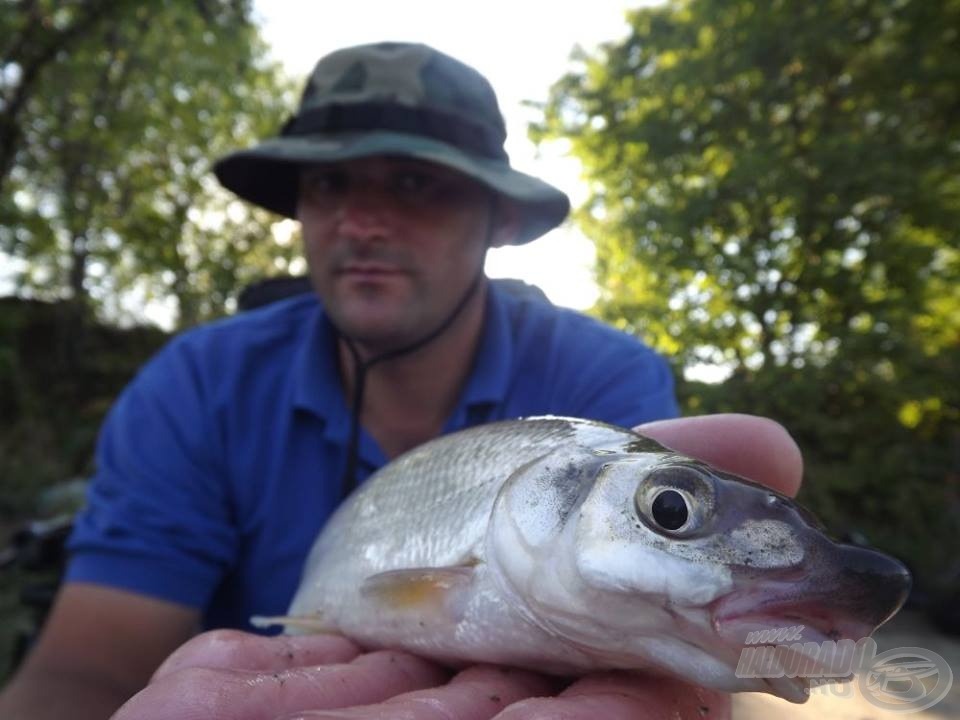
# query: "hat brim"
{"type": "Point", "coordinates": [268, 174]}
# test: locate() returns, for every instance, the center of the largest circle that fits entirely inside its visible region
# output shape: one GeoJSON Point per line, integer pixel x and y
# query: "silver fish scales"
{"type": "Point", "coordinates": [568, 545]}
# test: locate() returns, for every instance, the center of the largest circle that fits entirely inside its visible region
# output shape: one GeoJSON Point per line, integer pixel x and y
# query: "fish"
{"type": "Point", "coordinates": [568, 545]}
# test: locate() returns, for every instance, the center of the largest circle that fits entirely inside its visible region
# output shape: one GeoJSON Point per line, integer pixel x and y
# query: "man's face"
{"type": "Point", "coordinates": [392, 243]}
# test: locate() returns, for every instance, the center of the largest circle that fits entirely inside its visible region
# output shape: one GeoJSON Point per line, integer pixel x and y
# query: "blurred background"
{"type": "Point", "coordinates": [767, 192]}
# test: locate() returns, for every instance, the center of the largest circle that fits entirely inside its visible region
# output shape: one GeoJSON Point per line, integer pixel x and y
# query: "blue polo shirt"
{"type": "Point", "coordinates": [222, 460]}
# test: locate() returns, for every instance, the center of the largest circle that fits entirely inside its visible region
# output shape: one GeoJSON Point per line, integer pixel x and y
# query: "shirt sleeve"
{"type": "Point", "coordinates": [158, 518]}
{"type": "Point", "coordinates": [631, 391]}
{"type": "Point", "coordinates": [603, 374]}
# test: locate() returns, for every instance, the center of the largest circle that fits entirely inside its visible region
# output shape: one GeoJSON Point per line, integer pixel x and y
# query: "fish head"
{"type": "Point", "coordinates": [650, 559]}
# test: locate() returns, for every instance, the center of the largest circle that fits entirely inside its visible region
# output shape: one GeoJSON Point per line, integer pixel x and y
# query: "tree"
{"type": "Point", "coordinates": [111, 112]}
{"type": "Point", "coordinates": [111, 181]}
{"type": "Point", "coordinates": [773, 180]}
{"type": "Point", "coordinates": [34, 34]}
{"type": "Point", "coordinates": [776, 187]}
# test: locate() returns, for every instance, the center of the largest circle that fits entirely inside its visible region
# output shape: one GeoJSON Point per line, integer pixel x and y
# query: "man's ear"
{"type": "Point", "coordinates": [506, 222]}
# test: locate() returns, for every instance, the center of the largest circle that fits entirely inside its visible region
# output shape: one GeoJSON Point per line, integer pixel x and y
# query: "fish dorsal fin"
{"type": "Point", "coordinates": [428, 590]}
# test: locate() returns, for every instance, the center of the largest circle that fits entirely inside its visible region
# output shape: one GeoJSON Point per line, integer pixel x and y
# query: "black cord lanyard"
{"type": "Point", "coordinates": [349, 480]}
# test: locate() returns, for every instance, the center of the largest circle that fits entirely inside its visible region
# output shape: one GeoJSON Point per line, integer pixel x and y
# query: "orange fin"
{"type": "Point", "coordinates": [421, 590]}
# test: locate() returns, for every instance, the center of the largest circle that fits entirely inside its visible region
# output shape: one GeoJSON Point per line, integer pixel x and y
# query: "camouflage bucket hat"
{"type": "Point", "coordinates": [398, 99]}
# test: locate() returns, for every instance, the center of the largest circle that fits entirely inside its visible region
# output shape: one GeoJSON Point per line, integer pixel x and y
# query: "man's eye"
{"type": "Point", "coordinates": [412, 182]}
{"type": "Point", "coordinates": [325, 183]}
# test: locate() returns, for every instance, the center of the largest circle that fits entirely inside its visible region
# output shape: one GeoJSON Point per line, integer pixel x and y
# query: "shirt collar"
{"type": "Point", "coordinates": [318, 390]}
{"type": "Point", "coordinates": [490, 376]}
{"type": "Point", "coordinates": [317, 386]}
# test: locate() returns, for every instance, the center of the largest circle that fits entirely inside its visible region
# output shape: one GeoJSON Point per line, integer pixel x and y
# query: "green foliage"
{"type": "Point", "coordinates": [865, 471]}
{"type": "Point", "coordinates": [112, 195]}
{"type": "Point", "coordinates": [50, 406]}
{"type": "Point", "coordinates": [111, 114]}
{"type": "Point", "coordinates": [771, 178]}
{"type": "Point", "coordinates": [776, 194]}
{"type": "Point", "coordinates": [14, 620]}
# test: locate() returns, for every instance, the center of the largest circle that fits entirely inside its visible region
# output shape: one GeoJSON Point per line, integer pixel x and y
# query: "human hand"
{"type": "Point", "coordinates": [230, 675]}
{"type": "Point", "coordinates": [237, 676]}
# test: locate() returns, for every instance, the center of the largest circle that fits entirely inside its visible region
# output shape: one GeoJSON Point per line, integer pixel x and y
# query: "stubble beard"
{"type": "Point", "coordinates": [379, 321]}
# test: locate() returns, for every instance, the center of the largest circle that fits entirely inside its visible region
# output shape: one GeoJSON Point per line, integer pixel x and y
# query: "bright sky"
{"type": "Point", "coordinates": [522, 46]}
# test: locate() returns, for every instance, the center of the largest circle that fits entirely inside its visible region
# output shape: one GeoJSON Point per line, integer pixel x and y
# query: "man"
{"type": "Point", "coordinates": [221, 461]}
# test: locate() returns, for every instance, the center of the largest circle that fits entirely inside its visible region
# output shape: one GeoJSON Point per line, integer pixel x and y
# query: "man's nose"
{"type": "Point", "coordinates": [364, 211]}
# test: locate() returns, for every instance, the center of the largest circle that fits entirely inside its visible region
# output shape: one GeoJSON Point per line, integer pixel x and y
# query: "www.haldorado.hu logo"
{"type": "Point", "coordinates": [905, 680]}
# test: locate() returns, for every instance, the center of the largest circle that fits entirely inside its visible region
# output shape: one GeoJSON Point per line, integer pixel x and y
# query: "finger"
{"type": "Point", "coordinates": [753, 447]}
{"type": "Point", "coordinates": [475, 694]}
{"type": "Point", "coordinates": [244, 651]}
{"type": "Point", "coordinates": [625, 696]}
{"type": "Point", "coordinates": [223, 694]}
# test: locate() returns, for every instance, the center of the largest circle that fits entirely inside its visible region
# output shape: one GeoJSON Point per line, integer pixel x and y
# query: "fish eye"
{"type": "Point", "coordinates": [669, 510]}
{"type": "Point", "coordinates": [675, 500]}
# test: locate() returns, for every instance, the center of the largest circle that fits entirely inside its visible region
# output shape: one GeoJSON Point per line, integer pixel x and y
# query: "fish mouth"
{"type": "Point", "coordinates": [775, 616]}
{"type": "Point", "coordinates": [805, 637]}
{"type": "Point", "coordinates": [786, 635]}
{"type": "Point", "coordinates": [840, 593]}
{"type": "Point", "coordinates": [789, 627]}
{"type": "Point", "coordinates": [785, 646]}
